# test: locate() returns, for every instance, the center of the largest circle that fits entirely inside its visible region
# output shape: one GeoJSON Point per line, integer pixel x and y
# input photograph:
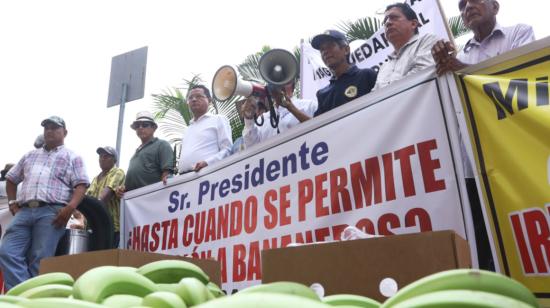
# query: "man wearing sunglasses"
{"type": "Point", "coordinates": [490, 39]}
{"type": "Point", "coordinates": [153, 160]}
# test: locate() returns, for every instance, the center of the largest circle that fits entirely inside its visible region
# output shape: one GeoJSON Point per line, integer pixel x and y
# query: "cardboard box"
{"type": "Point", "coordinates": [77, 264]}
{"type": "Point", "coordinates": [358, 266]}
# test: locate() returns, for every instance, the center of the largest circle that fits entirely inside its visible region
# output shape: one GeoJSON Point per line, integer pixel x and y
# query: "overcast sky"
{"type": "Point", "coordinates": [55, 55]}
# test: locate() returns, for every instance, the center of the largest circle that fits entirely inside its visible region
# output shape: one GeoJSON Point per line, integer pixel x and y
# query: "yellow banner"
{"type": "Point", "coordinates": [508, 114]}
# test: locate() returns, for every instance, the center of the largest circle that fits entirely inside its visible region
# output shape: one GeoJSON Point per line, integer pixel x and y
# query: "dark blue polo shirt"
{"type": "Point", "coordinates": [353, 83]}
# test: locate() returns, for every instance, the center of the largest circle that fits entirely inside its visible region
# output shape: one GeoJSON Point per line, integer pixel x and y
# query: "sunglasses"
{"type": "Point", "coordinates": [142, 125]}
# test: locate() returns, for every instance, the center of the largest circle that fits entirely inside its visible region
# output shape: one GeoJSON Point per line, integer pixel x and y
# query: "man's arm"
{"type": "Point", "coordinates": [423, 57]}
{"type": "Point", "coordinates": [65, 213]}
{"type": "Point", "coordinates": [444, 54]}
{"type": "Point", "coordinates": [297, 113]}
{"type": "Point", "coordinates": [224, 141]}
{"type": "Point", "coordinates": [11, 191]}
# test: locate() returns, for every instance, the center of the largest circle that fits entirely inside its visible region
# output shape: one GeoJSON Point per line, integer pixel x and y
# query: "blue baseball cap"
{"type": "Point", "coordinates": [334, 35]}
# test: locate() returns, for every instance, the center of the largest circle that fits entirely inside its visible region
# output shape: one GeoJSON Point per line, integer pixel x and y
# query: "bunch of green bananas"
{"type": "Point", "coordinates": [162, 284]}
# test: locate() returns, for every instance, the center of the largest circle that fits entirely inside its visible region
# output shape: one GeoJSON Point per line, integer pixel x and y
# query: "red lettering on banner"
{"type": "Point", "coordinates": [254, 271]}
{"type": "Point", "coordinates": [250, 214]}
{"type": "Point", "coordinates": [418, 217]}
{"type": "Point", "coordinates": [322, 234]}
{"type": "Point", "coordinates": [210, 226]}
{"type": "Point", "coordinates": [515, 220]}
{"type": "Point", "coordinates": [320, 194]}
{"type": "Point", "coordinates": [135, 238]}
{"type": "Point", "coordinates": [365, 184]}
{"type": "Point", "coordinates": [404, 157]}
{"type": "Point", "coordinates": [223, 221]}
{"type": "Point", "coordinates": [286, 240]}
{"type": "Point", "coordinates": [239, 264]}
{"type": "Point", "coordinates": [270, 220]}
{"type": "Point", "coordinates": [387, 160]}
{"type": "Point", "coordinates": [366, 226]}
{"type": "Point", "coordinates": [173, 239]}
{"type": "Point", "coordinates": [304, 240]}
{"type": "Point", "coordinates": [236, 221]}
{"type": "Point", "coordinates": [428, 166]}
{"type": "Point", "coordinates": [222, 258]}
{"type": "Point", "coordinates": [538, 233]}
{"type": "Point", "coordinates": [305, 196]}
{"type": "Point", "coordinates": [387, 222]}
{"type": "Point", "coordinates": [165, 225]}
{"type": "Point", "coordinates": [267, 245]}
{"type": "Point", "coordinates": [154, 243]}
{"type": "Point", "coordinates": [144, 237]}
{"type": "Point", "coordinates": [338, 189]}
{"type": "Point", "coordinates": [187, 236]}
{"type": "Point", "coordinates": [337, 231]}
{"type": "Point", "coordinates": [200, 221]}
{"type": "Point", "coordinates": [284, 204]}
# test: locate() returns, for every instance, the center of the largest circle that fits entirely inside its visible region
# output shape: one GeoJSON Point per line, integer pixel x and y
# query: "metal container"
{"type": "Point", "coordinates": [76, 241]}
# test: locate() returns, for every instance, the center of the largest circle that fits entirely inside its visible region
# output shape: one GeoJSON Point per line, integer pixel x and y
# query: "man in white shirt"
{"type": "Point", "coordinates": [490, 39]}
{"type": "Point", "coordinates": [291, 111]}
{"type": "Point", "coordinates": [411, 50]}
{"type": "Point", "coordinates": [208, 137]}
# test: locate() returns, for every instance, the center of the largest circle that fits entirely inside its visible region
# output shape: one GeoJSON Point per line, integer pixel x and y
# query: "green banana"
{"type": "Point", "coordinates": [193, 291]}
{"type": "Point", "coordinates": [172, 271]}
{"type": "Point", "coordinates": [48, 290]}
{"type": "Point", "coordinates": [122, 301]}
{"type": "Point", "coordinates": [163, 299]}
{"type": "Point", "coordinates": [101, 282]}
{"type": "Point", "coordinates": [215, 290]}
{"type": "Point", "coordinates": [168, 287]}
{"type": "Point", "coordinates": [49, 278]}
{"type": "Point", "coordinates": [284, 287]}
{"type": "Point", "coordinates": [57, 302]}
{"type": "Point", "coordinates": [464, 279]}
{"type": "Point", "coordinates": [350, 300]}
{"type": "Point", "coordinates": [12, 299]}
{"type": "Point", "coordinates": [8, 305]}
{"type": "Point", "coordinates": [264, 300]}
{"type": "Point", "coordinates": [461, 299]}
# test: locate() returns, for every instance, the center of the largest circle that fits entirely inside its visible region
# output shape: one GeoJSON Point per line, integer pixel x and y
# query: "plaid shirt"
{"type": "Point", "coordinates": [48, 176]}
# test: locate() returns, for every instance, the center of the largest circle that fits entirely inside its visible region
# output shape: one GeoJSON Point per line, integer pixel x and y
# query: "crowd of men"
{"type": "Point", "coordinates": [45, 187]}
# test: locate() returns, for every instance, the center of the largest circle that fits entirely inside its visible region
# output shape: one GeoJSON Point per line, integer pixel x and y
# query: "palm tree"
{"type": "Point", "coordinates": [361, 29]}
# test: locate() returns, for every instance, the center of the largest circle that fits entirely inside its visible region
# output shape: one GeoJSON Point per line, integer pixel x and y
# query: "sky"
{"type": "Point", "coordinates": [55, 55]}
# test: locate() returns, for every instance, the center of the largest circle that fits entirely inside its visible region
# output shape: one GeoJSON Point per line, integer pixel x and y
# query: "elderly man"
{"type": "Point", "coordinates": [490, 39]}
{"type": "Point", "coordinates": [105, 184]}
{"type": "Point", "coordinates": [153, 160]}
{"type": "Point", "coordinates": [291, 111]}
{"type": "Point", "coordinates": [348, 82]}
{"type": "Point", "coordinates": [208, 137]}
{"type": "Point", "coordinates": [54, 183]}
{"type": "Point", "coordinates": [411, 50]}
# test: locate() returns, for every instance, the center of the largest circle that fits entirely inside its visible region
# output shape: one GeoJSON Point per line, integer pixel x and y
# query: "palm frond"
{"type": "Point", "coordinates": [361, 29]}
{"type": "Point", "coordinates": [456, 24]}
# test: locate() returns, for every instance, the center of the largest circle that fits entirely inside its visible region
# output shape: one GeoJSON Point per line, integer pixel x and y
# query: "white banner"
{"type": "Point", "coordinates": [384, 163]}
{"type": "Point", "coordinates": [371, 53]}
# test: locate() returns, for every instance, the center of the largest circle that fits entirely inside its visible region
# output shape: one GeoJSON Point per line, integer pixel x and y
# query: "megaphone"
{"type": "Point", "coordinates": [227, 84]}
{"type": "Point", "coordinates": [278, 67]}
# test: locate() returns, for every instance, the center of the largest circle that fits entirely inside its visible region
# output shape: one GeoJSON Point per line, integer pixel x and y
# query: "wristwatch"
{"type": "Point", "coordinates": [12, 202]}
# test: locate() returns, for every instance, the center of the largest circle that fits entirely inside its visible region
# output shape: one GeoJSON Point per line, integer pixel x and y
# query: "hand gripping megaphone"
{"type": "Point", "coordinates": [227, 84]}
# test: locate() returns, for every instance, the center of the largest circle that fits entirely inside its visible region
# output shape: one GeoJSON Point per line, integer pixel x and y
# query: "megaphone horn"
{"type": "Point", "coordinates": [226, 84]}
{"type": "Point", "coordinates": [278, 67]}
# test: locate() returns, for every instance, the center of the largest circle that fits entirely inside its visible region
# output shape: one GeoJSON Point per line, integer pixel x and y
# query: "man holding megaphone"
{"type": "Point", "coordinates": [292, 111]}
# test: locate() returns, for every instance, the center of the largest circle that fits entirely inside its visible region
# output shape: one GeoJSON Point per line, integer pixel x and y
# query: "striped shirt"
{"type": "Point", "coordinates": [48, 176]}
{"type": "Point", "coordinates": [113, 179]}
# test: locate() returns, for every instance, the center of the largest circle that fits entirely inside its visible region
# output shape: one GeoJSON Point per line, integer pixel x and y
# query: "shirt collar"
{"type": "Point", "coordinates": [497, 30]}
{"type": "Point", "coordinates": [57, 148]}
{"type": "Point", "coordinates": [395, 53]}
{"type": "Point", "coordinates": [206, 115]}
{"type": "Point", "coordinates": [351, 70]}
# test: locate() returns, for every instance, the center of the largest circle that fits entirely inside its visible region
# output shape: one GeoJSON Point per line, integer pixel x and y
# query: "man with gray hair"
{"type": "Point", "coordinates": [105, 184]}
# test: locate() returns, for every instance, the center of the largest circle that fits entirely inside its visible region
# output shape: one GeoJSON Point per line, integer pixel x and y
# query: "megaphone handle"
{"type": "Point", "coordinates": [273, 116]}
{"type": "Point", "coordinates": [259, 123]}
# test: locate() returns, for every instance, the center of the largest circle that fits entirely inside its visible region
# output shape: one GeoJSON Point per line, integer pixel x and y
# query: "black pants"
{"type": "Point", "coordinates": [482, 240]}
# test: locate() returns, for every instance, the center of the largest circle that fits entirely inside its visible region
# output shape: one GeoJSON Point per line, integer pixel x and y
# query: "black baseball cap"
{"type": "Point", "coordinates": [334, 35]}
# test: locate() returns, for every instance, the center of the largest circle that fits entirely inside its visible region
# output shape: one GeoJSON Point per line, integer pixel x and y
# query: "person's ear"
{"type": "Point", "coordinates": [65, 132]}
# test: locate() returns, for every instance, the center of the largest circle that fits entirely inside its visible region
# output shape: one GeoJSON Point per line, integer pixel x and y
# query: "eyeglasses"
{"type": "Point", "coordinates": [198, 96]}
{"type": "Point", "coordinates": [137, 125]}
{"type": "Point", "coordinates": [462, 3]}
{"type": "Point", "coordinates": [392, 18]}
